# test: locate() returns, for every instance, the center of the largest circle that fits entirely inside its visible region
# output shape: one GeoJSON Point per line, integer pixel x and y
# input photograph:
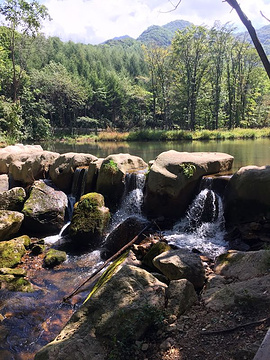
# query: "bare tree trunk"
{"type": "Point", "coordinates": [234, 4]}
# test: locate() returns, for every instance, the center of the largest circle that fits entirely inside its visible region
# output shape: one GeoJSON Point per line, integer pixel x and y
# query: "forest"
{"type": "Point", "coordinates": [201, 78]}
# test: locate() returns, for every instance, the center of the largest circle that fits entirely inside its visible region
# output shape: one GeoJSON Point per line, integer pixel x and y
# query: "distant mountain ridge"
{"type": "Point", "coordinates": [163, 35]}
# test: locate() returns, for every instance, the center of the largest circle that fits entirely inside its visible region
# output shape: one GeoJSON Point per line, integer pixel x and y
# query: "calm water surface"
{"type": "Point", "coordinates": [245, 152]}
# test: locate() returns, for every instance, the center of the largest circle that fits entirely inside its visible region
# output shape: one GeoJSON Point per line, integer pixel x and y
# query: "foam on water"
{"type": "Point", "coordinates": [202, 227]}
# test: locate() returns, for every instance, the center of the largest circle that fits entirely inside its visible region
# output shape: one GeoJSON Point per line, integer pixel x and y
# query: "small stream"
{"type": "Point", "coordinates": [28, 321]}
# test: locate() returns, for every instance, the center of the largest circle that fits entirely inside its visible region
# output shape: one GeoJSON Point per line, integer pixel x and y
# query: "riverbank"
{"type": "Point", "coordinates": [173, 135]}
{"type": "Point", "coordinates": [153, 135]}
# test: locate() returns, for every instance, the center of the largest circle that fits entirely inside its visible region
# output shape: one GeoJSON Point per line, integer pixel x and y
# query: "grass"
{"type": "Point", "coordinates": [176, 135]}
{"type": "Point", "coordinates": [162, 135]}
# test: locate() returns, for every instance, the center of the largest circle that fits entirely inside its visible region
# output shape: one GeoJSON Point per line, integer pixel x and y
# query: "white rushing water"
{"type": "Point", "coordinates": [202, 228]}
{"type": "Point", "coordinates": [132, 199]}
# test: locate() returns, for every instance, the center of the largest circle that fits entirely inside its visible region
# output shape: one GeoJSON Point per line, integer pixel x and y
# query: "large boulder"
{"type": "Point", "coordinates": [247, 295]}
{"type": "Point", "coordinates": [89, 220]}
{"type": "Point", "coordinates": [26, 163]}
{"type": "Point", "coordinates": [181, 264]}
{"type": "Point", "coordinates": [44, 210]}
{"type": "Point", "coordinates": [243, 265]}
{"type": "Point", "coordinates": [119, 312]}
{"type": "Point", "coordinates": [241, 280]}
{"type": "Point", "coordinates": [14, 152]}
{"type": "Point", "coordinates": [12, 199]}
{"type": "Point", "coordinates": [247, 196]}
{"type": "Point", "coordinates": [63, 168]}
{"type": "Point", "coordinates": [180, 295]}
{"type": "Point", "coordinates": [173, 178]}
{"type": "Point", "coordinates": [10, 223]}
{"type": "Point", "coordinates": [123, 234]}
{"type": "Point", "coordinates": [111, 177]}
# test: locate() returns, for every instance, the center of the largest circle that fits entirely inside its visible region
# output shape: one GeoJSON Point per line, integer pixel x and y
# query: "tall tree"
{"type": "Point", "coordinates": [23, 19]}
{"type": "Point", "coordinates": [191, 60]}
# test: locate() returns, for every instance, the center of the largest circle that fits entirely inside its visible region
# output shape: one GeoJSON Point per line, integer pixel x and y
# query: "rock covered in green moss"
{"type": "Point", "coordinates": [157, 249]}
{"type": "Point", "coordinates": [54, 257]}
{"type": "Point", "coordinates": [10, 223]}
{"type": "Point", "coordinates": [45, 208]}
{"type": "Point", "coordinates": [12, 199]}
{"type": "Point", "coordinates": [89, 220]}
{"type": "Point", "coordinates": [12, 251]}
{"type": "Point", "coordinates": [14, 280]}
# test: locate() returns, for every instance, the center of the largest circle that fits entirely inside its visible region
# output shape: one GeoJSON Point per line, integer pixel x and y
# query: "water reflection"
{"type": "Point", "coordinates": [245, 152]}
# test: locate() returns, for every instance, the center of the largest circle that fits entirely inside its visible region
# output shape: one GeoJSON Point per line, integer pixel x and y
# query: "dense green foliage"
{"type": "Point", "coordinates": [192, 79]}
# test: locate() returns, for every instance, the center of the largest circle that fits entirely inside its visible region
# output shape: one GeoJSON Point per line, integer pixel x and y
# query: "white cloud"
{"type": "Point", "coordinates": [94, 21]}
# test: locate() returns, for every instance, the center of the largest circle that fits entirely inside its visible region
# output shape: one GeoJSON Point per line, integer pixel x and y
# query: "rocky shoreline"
{"type": "Point", "coordinates": [153, 284]}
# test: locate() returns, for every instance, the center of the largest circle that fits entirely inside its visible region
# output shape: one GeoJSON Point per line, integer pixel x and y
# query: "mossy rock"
{"type": "Point", "coordinates": [11, 252]}
{"type": "Point", "coordinates": [38, 249]}
{"type": "Point", "coordinates": [14, 282]}
{"type": "Point", "coordinates": [10, 223]}
{"type": "Point", "coordinates": [89, 220]}
{"type": "Point", "coordinates": [155, 250]}
{"type": "Point", "coordinates": [12, 199]}
{"type": "Point", "coordinates": [44, 210]}
{"type": "Point", "coordinates": [14, 272]}
{"type": "Point", "coordinates": [54, 257]}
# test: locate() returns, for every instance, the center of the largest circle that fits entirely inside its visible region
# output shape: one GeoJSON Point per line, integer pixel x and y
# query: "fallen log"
{"type": "Point", "coordinates": [94, 275]}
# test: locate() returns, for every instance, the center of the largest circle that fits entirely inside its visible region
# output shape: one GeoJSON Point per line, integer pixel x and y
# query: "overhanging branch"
{"type": "Point", "coordinates": [234, 4]}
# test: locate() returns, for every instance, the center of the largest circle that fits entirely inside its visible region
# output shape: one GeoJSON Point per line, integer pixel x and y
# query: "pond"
{"type": "Point", "coordinates": [245, 152]}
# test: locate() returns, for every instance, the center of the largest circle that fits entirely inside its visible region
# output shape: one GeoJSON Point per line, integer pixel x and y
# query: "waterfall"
{"type": "Point", "coordinates": [77, 189]}
{"type": "Point", "coordinates": [203, 226]}
{"type": "Point", "coordinates": [132, 199]}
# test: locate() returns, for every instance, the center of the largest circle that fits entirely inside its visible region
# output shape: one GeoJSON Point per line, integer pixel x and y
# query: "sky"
{"type": "Point", "coordinates": [95, 21]}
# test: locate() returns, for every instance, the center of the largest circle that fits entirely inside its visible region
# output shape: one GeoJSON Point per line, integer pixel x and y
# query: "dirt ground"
{"type": "Point", "coordinates": [203, 334]}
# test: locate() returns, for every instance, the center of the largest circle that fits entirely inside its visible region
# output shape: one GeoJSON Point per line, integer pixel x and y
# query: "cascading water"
{"type": "Point", "coordinates": [132, 199]}
{"type": "Point", "coordinates": [77, 189]}
{"type": "Point", "coordinates": [203, 225]}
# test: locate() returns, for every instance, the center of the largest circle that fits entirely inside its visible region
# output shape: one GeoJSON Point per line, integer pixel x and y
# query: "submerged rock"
{"type": "Point", "coordinates": [54, 257]}
{"type": "Point", "coordinates": [10, 223]}
{"type": "Point", "coordinates": [89, 221]}
{"type": "Point", "coordinates": [45, 208]}
{"type": "Point", "coordinates": [14, 280]}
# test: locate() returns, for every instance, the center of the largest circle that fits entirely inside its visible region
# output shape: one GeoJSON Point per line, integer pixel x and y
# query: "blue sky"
{"type": "Point", "coordinates": [94, 21]}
